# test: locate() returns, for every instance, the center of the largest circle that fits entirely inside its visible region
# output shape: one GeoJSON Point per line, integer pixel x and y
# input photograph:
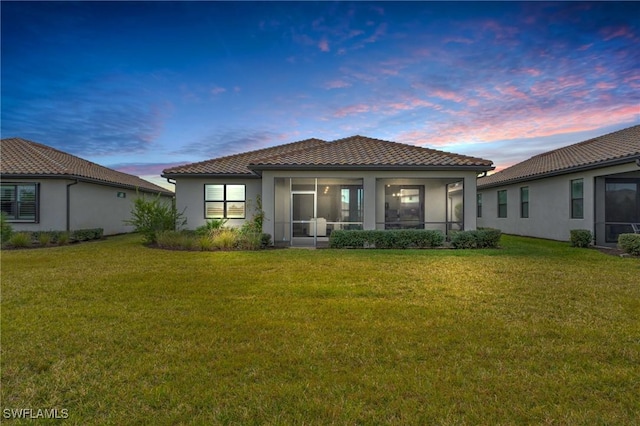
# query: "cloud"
{"type": "Point", "coordinates": [352, 110]}
{"type": "Point", "coordinates": [216, 90]}
{"type": "Point", "coordinates": [336, 84]}
{"type": "Point", "coordinates": [226, 142]}
{"type": "Point", "coordinates": [323, 45]}
{"type": "Point", "coordinates": [92, 119]}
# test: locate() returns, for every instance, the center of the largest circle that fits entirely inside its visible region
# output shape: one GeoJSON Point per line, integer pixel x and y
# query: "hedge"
{"type": "Point", "coordinates": [392, 239]}
{"type": "Point", "coordinates": [630, 243]}
{"type": "Point", "coordinates": [480, 238]}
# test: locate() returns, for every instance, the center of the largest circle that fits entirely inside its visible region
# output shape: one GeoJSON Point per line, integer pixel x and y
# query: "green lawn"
{"type": "Point", "coordinates": [116, 333]}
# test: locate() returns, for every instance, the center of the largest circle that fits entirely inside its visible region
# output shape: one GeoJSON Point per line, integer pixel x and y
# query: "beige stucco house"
{"type": "Point", "coordinates": [313, 187]}
{"type": "Point", "coordinates": [594, 185]}
{"type": "Point", "coordinates": [44, 189]}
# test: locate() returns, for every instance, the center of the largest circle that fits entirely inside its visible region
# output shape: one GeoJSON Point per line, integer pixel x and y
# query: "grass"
{"type": "Point", "coordinates": [534, 333]}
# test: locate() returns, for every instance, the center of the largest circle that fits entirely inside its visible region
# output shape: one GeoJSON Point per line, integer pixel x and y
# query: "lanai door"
{"type": "Point", "coordinates": [303, 221]}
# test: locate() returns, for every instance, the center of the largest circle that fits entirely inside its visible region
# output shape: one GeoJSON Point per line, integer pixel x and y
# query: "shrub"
{"type": "Point", "coordinates": [6, 230]}
{"type": "Point", "coordinates": [464, 240]}
{"type": "Point", "coordinates": [581, 238]}
{"type": "Point", "coordinates": [225, 239]}
{"type": "Point", "coordinates": [265, 240]}
{"type": "Point", "coordinates": [212, 225]}
{"type": "Point", "coordinates": [204, 242]}
{"type": "Point", "coordinates": [63, 238]}
{"type": "Point", "coordinates": [396, 238]}
{"type": "Point", "coordinates": [20, 240]}
{"type": "Point", "coordinates": [152, 216]}
{"type": "Point", "coordinates": [45, 238]}
{"type": "Point", "coordinates": [630, 243]}
{"type": "Point", "coordinates": [476, 239]}
{"type": "Point", "coordinates": [87, 234]}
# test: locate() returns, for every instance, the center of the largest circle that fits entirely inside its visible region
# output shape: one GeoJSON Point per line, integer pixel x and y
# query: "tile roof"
{"type": "Point", "coordinates": [351, 152]}
{"type": "Point", "coordinates": [20, 158]}
{"type": "Point", "coordinates": [237, 164]}
{"type": "Point", "coordinates": [616, 147]}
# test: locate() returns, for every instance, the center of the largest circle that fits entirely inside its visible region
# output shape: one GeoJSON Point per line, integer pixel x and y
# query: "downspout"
{"type": "Point", "coordinates": [172, 183]}
{"type": "Point", "coordinates": [69, 185]}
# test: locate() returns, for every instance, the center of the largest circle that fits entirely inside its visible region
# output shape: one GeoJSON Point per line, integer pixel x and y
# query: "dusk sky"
{"type": "Point", "coordinates": [143, 86]}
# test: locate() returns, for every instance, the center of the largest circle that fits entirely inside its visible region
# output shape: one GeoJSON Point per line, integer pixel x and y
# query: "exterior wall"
{"type": "Point", "coordinates": [549, 204]}
{"type": "Point", "coordinates": [190, 198]}
{"type": "Point", "coordinates": [91, 206]}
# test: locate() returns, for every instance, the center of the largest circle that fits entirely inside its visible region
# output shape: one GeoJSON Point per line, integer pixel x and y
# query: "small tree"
{"type": "Point", "coordinates": [6, 230]}
{"type": "Point", "coordinates": [152, 216]}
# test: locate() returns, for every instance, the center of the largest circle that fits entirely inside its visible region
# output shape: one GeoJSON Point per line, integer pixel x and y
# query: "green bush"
{"type": "Point", "coordinates": [630, 243]}
{"type": "Point", "coordinates": [394, 238]}
{"type": "Point", "coordinates": [44, 238]}
{"type": "Point", "coordinates": [6, 230]}
{"type": "Point", "coordinates": [152, 216]}
{"type": "Point", "coordinates": [20, 240]}
{"type": "Point", "coordinates": [212, 225]}
{"type": "Point", "coordinates": [87, 234]}
{"type": "Point", "coordinates": [476, 239]}
{"type": "Point", "coordinates": [464, 240]}
{"type": "Point", "coordinates": [581, 238]}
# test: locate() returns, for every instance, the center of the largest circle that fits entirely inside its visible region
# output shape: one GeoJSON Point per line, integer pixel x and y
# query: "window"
{"type": "Point", "coordinates": [524, 202]}
{"type": "Point", "coordinates": [479, 205]}
{"type": "Point", "coordinates": [577, 199]}
{"type": "Point", "coordinates": [20, 201]}
{"type": "Point", "coordinates": [502, 203]}
{"type": "Point", "coordinates": [224, 201]}
{"type": "Point", "coordinates": [404, 206]}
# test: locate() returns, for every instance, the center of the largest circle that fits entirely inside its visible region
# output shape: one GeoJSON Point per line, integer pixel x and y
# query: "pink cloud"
{"type": "Point", "coordinates": [603, 85]}
{"type": "Point", "coordinates": [512, 92]}
{"type": "Point", "coordinates": [533, 123]}
{"type": "Point", "coordinates": [609, 33]}
{"type": "Point", "coordinates": [352, 110]}
{"type": "Point", "coordinates": [323, 45]}
{"type": "Point", "coordinates": [447, 95]}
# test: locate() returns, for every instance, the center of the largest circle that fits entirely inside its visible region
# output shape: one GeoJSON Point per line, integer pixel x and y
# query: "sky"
{"type": "Point", "coordinates": [144, 86]}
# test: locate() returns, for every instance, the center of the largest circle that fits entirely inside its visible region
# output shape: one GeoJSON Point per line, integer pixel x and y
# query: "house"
{"type": "Point", "coordinates": [592, 185]}
{"type": "Point", "coordinates": [43, 189]}
{"type": "Point", "coordinates": [313, 187]}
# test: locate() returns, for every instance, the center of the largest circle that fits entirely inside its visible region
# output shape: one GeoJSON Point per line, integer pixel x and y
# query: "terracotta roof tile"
{"type": "Point", "coordinates": [23, 158]}
{"type": "Point", "coordinates": [592, 153]}
{"type": "Point", "coordinates": [354, 151]}
{"type": "Point", "coordinates": [359, 151]}
{"type": "Point", "coordinates": [237, 164]}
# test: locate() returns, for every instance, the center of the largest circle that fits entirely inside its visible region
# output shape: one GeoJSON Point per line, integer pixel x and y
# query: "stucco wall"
{"type": "Point", "coordinates": [549, 205]}
{"type": "Point", "coordinates": [91, 206]}
{"type": "Point", "coordinates": [190, 198]}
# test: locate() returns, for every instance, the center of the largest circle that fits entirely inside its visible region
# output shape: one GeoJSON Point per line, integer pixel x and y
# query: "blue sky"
{"type": "Point", "coordinates": [142, 86]}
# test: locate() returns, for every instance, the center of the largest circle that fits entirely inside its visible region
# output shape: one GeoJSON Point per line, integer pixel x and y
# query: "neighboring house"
{"type": "Point", "coordinates": [592, 185]}
{"type": "Point", "coordinates": [43, 189]}
{"type": "Point", "coordinates": [313, 187]}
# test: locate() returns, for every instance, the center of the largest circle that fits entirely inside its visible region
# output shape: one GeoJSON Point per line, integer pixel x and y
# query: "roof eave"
{"type": "Point", "coordinates": [583, 167]}
{"type": "Point", "coordinates": [83, 179]}
{"type": "Point", "coordinates": [210, 175]}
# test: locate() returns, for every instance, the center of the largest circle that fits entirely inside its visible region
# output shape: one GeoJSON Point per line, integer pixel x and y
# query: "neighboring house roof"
{"type": "Point", "coordinates": [20, 158]}
{"type": "Point", "coordinates": [614, 148]}
{"type": "Point", "coordinates": [347, 153]}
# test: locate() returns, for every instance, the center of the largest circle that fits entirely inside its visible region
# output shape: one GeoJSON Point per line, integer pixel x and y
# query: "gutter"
{"type": "Point", "coordinates": [69, 185]}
